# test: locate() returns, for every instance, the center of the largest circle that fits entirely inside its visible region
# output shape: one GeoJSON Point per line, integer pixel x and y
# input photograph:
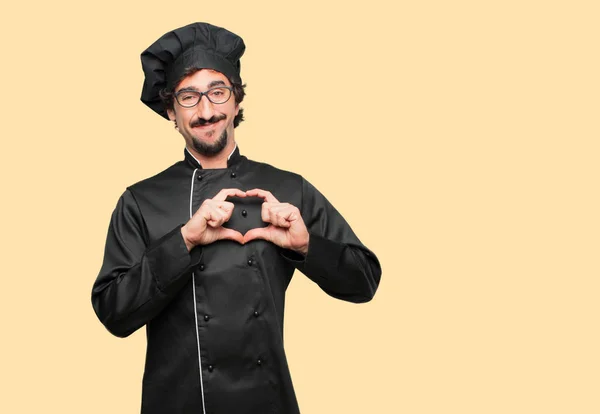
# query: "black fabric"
{"type": "Point", "coordinates": [146, 279]}
{"type": "Point", "coordinates": [199, 45]}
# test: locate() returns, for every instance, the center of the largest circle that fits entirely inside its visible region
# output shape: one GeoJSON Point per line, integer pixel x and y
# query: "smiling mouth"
{"type": "Point", "coordinates": [206, 126]}
{"type": "Point", "coordinates": [208, 123]}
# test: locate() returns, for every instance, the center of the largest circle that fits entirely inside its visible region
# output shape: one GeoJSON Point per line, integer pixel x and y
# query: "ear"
{"type": "Point", "coordinates": [237, 109]}
{"type": "Point", "coordinates": [171, 114]}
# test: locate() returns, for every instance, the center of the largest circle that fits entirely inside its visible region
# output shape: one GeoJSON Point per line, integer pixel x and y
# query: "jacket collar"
{"type": "Point", "coordinates": [233, 159]}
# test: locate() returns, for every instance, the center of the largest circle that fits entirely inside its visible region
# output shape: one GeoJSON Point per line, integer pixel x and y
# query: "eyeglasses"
{"type": "Point", "coordinates": [218, 95]}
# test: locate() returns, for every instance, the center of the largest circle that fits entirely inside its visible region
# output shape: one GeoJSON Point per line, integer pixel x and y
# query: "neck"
{"type": "Point", "coordinates": [216, 161]}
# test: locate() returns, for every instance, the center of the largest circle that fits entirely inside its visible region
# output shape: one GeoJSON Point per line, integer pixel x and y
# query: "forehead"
{"type": "Point", "coordinates": [203, 79]}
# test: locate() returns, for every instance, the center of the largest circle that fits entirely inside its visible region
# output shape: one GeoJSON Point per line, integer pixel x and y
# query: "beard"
{"type": "Point", "coordinates": [216, 147]}
{"type": "Point", "coordinates": [210, 150]}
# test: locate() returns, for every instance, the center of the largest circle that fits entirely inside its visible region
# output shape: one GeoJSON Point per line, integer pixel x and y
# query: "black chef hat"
{"type": "Point", "coordinates": [199, 45]}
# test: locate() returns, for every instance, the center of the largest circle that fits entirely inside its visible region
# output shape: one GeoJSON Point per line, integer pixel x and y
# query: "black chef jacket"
{"type": "Point", "coordinates": [214, 316]}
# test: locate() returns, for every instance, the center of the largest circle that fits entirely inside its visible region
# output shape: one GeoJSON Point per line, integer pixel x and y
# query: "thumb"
{"type": "Point", "coordinates": [257, 233]}
{"type": "Point", "coordinates": [230, 234]}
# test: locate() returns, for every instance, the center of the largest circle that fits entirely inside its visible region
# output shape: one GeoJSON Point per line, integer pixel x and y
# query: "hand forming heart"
{"type": "Point", "coordinates": [205, 226]}
{"type": "Point", "coordinates": [286, 228]}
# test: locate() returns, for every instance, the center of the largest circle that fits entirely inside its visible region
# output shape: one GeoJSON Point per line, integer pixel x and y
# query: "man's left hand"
{"type": "Point", "coordinates": [286, 228]}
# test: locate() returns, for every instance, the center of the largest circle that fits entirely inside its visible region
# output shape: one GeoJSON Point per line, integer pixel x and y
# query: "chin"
{"type": "Point", "coordinates": [203, 138]}
{"type": "Point", "coordinates": [209, 146]}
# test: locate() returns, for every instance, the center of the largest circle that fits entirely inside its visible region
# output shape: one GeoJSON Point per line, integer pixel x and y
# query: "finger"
{"type": "Point", "coordinates": [217, 216]}
{"type": "Point", "coordinates": [276, 207]}
{"type": "Point", "coordinates": [224, 206]}
{"type": "Point", "coordinates": [257, 233]}
{"type": "Point", "coordinates": [230, 234]}
{"type": "Point", "coordinates": [273, 217]}
{"type": "Point", "coordinates": [211, 219]}
{"type": "Point", "coordinates": [286, 217]}
{"type": "Point", "coordinates": [227, 192]}
{"type": "Point", "coordinates": [266, 195]}
{"type": "Point", "coordinates": [291, 212]}
{"type": "Point", "coordinates": [273, 207]}
{"type": "Point", "coordinates": [279, 213]}
{"type": "Point", "coordinates": [265, 212]}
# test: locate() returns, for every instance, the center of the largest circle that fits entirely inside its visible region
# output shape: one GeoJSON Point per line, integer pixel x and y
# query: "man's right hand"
{"type": "Point", "coordinates": [205, 226]}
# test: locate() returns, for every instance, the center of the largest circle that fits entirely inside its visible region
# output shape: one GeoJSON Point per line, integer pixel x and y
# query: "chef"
{"type": "Point", "coordinates": [202, 252]}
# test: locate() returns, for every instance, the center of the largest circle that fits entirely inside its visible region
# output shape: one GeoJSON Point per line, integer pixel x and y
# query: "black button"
{"type": "Point", "coordinates": [199, 177]}
{"type": "Point", "coordinates": [233, 174]}
{"type": "Point", "coordinates": [258, 362]}
{"type": "Point", "coordinates": [249, 262]}
{"type": "Point", "coordinates": [244, 213]}
{"type": "Point", "coordinates": [256, 313]}
{"type": "Point", "coordinates": [210, 368]}
{"type": "Point", "coordinates": [201, 266]}
{"type": "Point", "coordinates": [206, 317]}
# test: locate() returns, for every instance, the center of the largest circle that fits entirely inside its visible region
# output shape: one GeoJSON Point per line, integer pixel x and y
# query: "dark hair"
{"type": "Point", "coordinates": [168, 95]}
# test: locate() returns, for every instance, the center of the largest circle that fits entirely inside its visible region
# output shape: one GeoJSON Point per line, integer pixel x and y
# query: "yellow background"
{"type": "Point", "coordinates": [459, 139]}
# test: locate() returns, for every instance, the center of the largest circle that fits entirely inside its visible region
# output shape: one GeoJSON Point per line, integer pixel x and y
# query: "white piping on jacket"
{"type": "Point", "coordinates": [195, 311]}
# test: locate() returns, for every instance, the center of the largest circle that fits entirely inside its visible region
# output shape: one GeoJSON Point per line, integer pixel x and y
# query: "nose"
{"type": "Point", "coordinates": [205, 108]}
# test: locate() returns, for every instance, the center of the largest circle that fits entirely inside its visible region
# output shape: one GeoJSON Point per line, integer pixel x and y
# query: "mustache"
{"type": "Point", "coordinates": [201, 121]}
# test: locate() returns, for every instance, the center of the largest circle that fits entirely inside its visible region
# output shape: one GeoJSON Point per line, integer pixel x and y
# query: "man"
{"type": "Point", "coordinates": [203, 252]}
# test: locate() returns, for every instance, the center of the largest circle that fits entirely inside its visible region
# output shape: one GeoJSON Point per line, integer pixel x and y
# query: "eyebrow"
{"type": "Point", "coordinates": [194, 89]}
{"type": "Point", "coordinates": [187, 89]}
{"type": "Point", "coordinates": [215, 83]}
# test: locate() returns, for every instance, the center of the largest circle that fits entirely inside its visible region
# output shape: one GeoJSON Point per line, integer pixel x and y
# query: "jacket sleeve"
{"type": "Point", "coordinates": [137, 280]}
{"type": "Point", "coordinates": [336, 259]}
